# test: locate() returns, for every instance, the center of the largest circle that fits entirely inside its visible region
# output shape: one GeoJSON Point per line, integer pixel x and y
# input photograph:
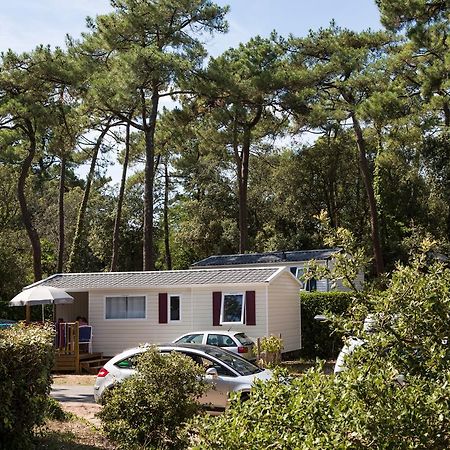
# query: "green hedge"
{"type": "Point", "coordinates": [26, 359]}
{"type": "Point", "coordinates": [318, 339]}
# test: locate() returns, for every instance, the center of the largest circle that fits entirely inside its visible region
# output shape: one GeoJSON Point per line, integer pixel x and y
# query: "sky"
{"type": "Point", "coordinates": [27, 23]}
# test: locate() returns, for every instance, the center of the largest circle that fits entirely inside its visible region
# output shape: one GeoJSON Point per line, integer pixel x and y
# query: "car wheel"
{"type": "Point", "coordinates": [244, 396]}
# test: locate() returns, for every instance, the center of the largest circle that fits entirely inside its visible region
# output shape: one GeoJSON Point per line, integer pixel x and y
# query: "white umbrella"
{"type": "Point", "coordinates": [41, 295]}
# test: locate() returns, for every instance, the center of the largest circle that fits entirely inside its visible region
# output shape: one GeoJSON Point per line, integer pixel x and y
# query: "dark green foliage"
{"type": "Point", "coordinates": [54, 411]}
{"type": "Point", "coordinates": [150, 409]}
{"type": "Point", "coordinates": [26, 358]}
{"type": "Point", "coordinates": [316, 412]}
{"type": "Point", "coordinates": [369, 405]}
{"type": "Point", "coordinates": [318, 338]}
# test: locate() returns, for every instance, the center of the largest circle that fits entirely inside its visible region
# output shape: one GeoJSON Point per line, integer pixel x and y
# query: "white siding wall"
{"type": "Point", "coordinates": [322, 285]}
{"type": "Point", "coordinates": [113, 336]}
{"type": "Point", "coordinates": [284, 311]}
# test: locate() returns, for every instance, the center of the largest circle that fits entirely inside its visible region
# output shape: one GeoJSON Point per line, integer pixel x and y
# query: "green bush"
{"type": "Point", "coordinates": [150, 409]}
{"type": "Point", "coordinates": [318, 338]}
{"type": "Point", "coordinates": [316, 411]}
{"type": "Point", "coordinates": [394, 393]}
{"type": "Point", "coordinates": [26, 359]}
{"type": "Point", "coordinates": [54, 411]}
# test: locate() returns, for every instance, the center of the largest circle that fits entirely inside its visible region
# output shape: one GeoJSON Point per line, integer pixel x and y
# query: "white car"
{"type": "Point", "coordinates": [348, 348]}
{"type": "Point", "coordinates": [233, 341]}
{"type": "Point", "coordinates": [370, 326]}
{"type": "Point", "coordinates": [224, 371]}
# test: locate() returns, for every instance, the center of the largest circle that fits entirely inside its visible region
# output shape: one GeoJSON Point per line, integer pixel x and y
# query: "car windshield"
{"type": "Point", "coordinates": [243, 339]}
{"type": "Point", "coordinates": [240, 365]}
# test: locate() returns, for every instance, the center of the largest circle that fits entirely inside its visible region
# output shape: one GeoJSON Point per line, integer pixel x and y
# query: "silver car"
{"type": "Point", "coordinates": [233, 341]}
{"type": "Point", "coordinates": [225, 372]}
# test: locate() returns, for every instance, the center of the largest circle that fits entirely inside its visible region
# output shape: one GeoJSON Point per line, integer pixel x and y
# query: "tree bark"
{"type": "Point", "coordinates": [116, 232]}
{"type": "Point", "coordinates": [242, 168]}
{"type": "Point", "coordinates": [446, 114]}
{"type": "Point", "coordinates": [61, 244]}
{"type": "Point", "coordinates": [26, 214]}
{"type": "Point", "coordinates": [166, 217]}
{"type": "Point", "coordinates": [148, 256]}
{"type": "Point", "coordinates": [76, 245]}
{"type": "Point", "coordinates": [243, 191]}
{"type": "Point", "coordinates": [368, 183]}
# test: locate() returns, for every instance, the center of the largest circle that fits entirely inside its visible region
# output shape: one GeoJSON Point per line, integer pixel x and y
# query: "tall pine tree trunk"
{"type": "Point", "coordinates": [61, 243]}
{"type": "Point", "coordinates": [116, 233]}
{"type": "Point", "coordinates": [242, 167]}
{"type": "Point", "coordinates": [166, 217]}
{"type": "Point", "coordinates": [26, 214]}
{"type": "Point", "coordinates": [148, 256]}
{"type": "Point", "coordinates": [368, 183]}
{"type": "Point", "coordinates": [243, 191]}
{"type": "Point", "coordinates": [75, 258]}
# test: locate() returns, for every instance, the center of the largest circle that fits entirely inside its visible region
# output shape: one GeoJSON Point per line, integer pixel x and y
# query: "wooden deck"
{"type": "Point", "coordinates": [69, 357]}
{"type": "Point", "coordinates": [85, 363]}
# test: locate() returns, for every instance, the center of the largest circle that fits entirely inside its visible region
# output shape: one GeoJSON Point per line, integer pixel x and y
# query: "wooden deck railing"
{"type": "Point", "coordinates": [67, 344]}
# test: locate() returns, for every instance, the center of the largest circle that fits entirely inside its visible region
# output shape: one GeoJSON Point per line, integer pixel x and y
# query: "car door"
{"type": "Point", "coordinates": [216, 397]}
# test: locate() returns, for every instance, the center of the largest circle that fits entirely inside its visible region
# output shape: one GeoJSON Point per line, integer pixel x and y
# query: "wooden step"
{"type": "Point", "coordinates": [93, 365]}
{"type": "Point", "coordinates": [88, 356]}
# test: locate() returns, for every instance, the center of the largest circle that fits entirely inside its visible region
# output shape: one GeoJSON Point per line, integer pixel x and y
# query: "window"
{"type": "Point", "coordinates": [309, 285]}
{"type": "Point", "coordinates": [191, 339]}
{"type": "Point", "coordinates": [132, 307]}
{"type": "Point", "coordinates": [232, 310]}
{"type": "Point", "coordinates": [220, 340]}
{"type": "Point", "coordinates": [207, 363]}
{"type": "Point", "coordinates": [174, 308]}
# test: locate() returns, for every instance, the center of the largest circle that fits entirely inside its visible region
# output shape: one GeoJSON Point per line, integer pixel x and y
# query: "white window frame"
{"type": "Point", "coordinates": [169, 296]}
{"type": "Point", "coordinates": [126, 296]}
{"type": "Point", "coordinates": [222, 306]}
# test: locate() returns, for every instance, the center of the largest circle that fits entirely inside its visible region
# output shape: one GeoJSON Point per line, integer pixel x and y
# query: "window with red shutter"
{"type": "Point", "coordinates": [216, 304]}
{"type": "Point", "coordinates": [162, 308]}
{"type": "Point", "coordinates": [250, 308]}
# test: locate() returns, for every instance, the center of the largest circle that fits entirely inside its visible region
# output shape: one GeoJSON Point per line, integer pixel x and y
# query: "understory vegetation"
{"type": "Point", "coordinates": [26, 360]}
{"type": "Point", "coordinates": [394, 393]}
{"type": "Point", "coordinates": [150, 409]}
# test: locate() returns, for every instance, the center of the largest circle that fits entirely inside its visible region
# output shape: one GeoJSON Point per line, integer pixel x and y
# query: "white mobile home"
{"type": "Point", "coordinates": [129, 308]}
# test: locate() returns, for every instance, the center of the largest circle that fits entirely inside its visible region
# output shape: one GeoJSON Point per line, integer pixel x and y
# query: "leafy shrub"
{"type": "Point", "coordinates": [271, 347]}
{"type": "Point", "coordinates": [26, 359]}
{"type": "Point", "coordinates": [318, 338]}
{"type": "Point", "coordinates": [317, 412]}
{"type": "Point", "coordinates": [366, 406]}
{"type": "Point", "coordinates": [150, 408]}
{"type": "Point", "coordinates": [55, 412]}
{"type": "Point", "coordinates": [271, 344]}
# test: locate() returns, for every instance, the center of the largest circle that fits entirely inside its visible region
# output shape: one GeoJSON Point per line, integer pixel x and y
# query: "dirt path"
{"type": "Point", "coordinates": [85, 410]}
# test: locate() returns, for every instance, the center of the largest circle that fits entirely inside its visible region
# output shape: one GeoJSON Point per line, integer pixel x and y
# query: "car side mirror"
{"type": "Point", "coordinates": [212, 372]}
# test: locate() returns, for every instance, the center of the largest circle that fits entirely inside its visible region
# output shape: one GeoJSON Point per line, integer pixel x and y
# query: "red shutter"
{"type": "Point", "coordinates": [250, 308]}
{"type": "Point", "coordinates": [216, 303]}
{"type": "Point", "coordinates": [162, 308]}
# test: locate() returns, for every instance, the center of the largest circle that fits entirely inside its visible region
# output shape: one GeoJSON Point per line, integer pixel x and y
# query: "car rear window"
{"type": "Point", "coordinates": [243, 339]}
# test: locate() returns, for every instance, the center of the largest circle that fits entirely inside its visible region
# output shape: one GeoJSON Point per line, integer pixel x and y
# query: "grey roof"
{"type": "Point", "coordinates": [130, 280]}
{"type": "Point", "coordinates": [280, 257]}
